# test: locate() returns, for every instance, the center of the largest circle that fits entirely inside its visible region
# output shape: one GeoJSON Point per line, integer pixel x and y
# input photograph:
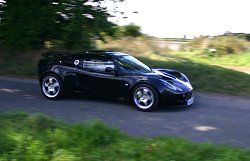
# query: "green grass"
{"type": "Point", "coordinates": [207, 77]}
{"type": "Point", "coordinates": [28, 137]}
{"type": "Point", "coordinates": [18, 68]}
{"type": "Point", "coordinates": [238, 60]}
{"type": "Point", "coordinates": [23, 65]}
{"type": "Point", "coordinates": [205, 72]}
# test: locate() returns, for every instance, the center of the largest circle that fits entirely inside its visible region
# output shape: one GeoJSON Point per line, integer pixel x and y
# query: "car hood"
{"type": "Point", "coordinates": [173, 77]}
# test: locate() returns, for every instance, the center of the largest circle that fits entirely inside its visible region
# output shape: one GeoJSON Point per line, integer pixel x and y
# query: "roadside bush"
{"type": "Point", "coordinates": [219, 45]}
{"type": "Point", "coordinates": [22, 138]}
{"type": "Point", "coordinates": [228, 45]}
{"type": "Point", "coordinates": [198, 42]}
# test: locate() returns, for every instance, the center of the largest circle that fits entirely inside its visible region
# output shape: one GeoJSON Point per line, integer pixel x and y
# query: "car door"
{"type": "Point", "coordinates": [96, 79]}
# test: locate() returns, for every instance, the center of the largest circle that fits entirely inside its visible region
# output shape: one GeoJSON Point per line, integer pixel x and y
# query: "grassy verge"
{"type": "Point", "coordinates": [206, 77]}
{"type": "Point", "coordinates": [205, 72]}
{"type": "Point", "coordinates": [224, 74]}
{"type": "Point", "coordinates": [38, 137]}
{"type": "Point", "coordinates": [22, 65]}
{"type": "Point", "coordinates": [238, 60]}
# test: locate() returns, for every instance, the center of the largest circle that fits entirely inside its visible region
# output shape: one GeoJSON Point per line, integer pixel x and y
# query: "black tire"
{"type": "Point", "coordinates": [145, 97]}
{"type": "Point", "coordinates": [52, 86]}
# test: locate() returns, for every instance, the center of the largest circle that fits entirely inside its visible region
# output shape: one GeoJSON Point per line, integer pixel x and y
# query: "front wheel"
{"type": "Point", "coordinates": [51, 86]}
{"type": "Point", "coordinates": [145, 97]}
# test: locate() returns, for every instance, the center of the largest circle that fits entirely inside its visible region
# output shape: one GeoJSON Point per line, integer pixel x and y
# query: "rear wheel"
{"type": "Point", "coordinates": [145, 97]}
{"type": "Point", "coordinates": [51, 86]}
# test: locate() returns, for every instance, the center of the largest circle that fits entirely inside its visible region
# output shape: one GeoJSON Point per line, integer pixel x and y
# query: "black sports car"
{"type": "Point", "coordinates": [112, 74]}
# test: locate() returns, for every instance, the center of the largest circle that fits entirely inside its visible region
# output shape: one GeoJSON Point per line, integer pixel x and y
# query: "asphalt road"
{"type": "Point", "coordinates": [215, 118]}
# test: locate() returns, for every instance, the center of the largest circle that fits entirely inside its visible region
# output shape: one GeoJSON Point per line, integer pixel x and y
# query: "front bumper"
{"type": "Point", "coordinates": [169, 98]}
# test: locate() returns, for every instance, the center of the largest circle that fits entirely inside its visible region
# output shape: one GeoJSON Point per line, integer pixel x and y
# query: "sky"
{"type": "Point", "coordinates": [176, 18]}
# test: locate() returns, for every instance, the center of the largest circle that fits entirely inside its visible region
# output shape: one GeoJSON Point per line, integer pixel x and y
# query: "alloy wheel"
{"type": "Point", "coordinates": [143, 97]}
{"type": "Point", "coordinates": [51, 87]}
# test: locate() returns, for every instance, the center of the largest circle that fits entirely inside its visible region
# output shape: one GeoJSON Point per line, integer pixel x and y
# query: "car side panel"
{"type": "Point", "coordinates": [102, 84]}
{"type": "Point", "coordinates": [134, 80]}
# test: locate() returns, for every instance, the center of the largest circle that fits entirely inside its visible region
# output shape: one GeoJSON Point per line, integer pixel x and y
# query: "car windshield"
{"type": "Point", "coordinates": [129, 64]}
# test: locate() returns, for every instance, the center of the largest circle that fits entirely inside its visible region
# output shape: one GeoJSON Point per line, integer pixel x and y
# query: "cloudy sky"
{"type": "Point", "coordinates": [176, 18]}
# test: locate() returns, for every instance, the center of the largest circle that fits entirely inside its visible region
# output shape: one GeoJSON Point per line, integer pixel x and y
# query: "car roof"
{"type": "Point", "coordinates": [62, 54]}
{"type": "Point", "coordinates": [104, 52]}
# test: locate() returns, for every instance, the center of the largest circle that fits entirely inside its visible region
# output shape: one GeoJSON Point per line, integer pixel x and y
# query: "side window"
{"type": "Point", "coordinates": [98, 65]}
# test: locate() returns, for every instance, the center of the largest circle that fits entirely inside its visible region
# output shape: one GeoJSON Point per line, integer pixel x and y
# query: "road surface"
{"type": "Point", "coordinates": [215, 118]}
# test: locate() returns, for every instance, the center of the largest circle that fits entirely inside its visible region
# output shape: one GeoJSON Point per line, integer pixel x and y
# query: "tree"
{"type": "Point", "coordinates": [83, 22]}
{"type": "Point", "coordinates": [130, 30]}
{"type": "Point", "coordinates": [27, 24]}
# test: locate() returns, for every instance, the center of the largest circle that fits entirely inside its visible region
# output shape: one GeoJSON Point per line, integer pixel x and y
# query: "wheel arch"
{"type": "Point", "coordinates": [49, 72]}
{"type": "Point", "coordinates": [140, 83]}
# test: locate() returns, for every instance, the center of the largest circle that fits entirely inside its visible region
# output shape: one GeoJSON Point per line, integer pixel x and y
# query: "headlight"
{"type": "Point", "coordinates": [184, 78]}
{"type": "Point", "coordinates": [170, 86]}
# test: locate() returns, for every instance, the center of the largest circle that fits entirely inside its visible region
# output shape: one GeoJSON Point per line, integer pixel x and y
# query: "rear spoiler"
{"type": "Point", "coordinates": [55, 54]}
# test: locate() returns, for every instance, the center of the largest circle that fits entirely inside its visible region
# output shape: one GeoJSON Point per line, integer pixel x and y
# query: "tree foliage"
{"type": "Point", "coordinates": [69, 24]}
{"type": "Point", "coordinates": [25, 24]}
{"type": "Point", "coordinates": [130, 30]}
